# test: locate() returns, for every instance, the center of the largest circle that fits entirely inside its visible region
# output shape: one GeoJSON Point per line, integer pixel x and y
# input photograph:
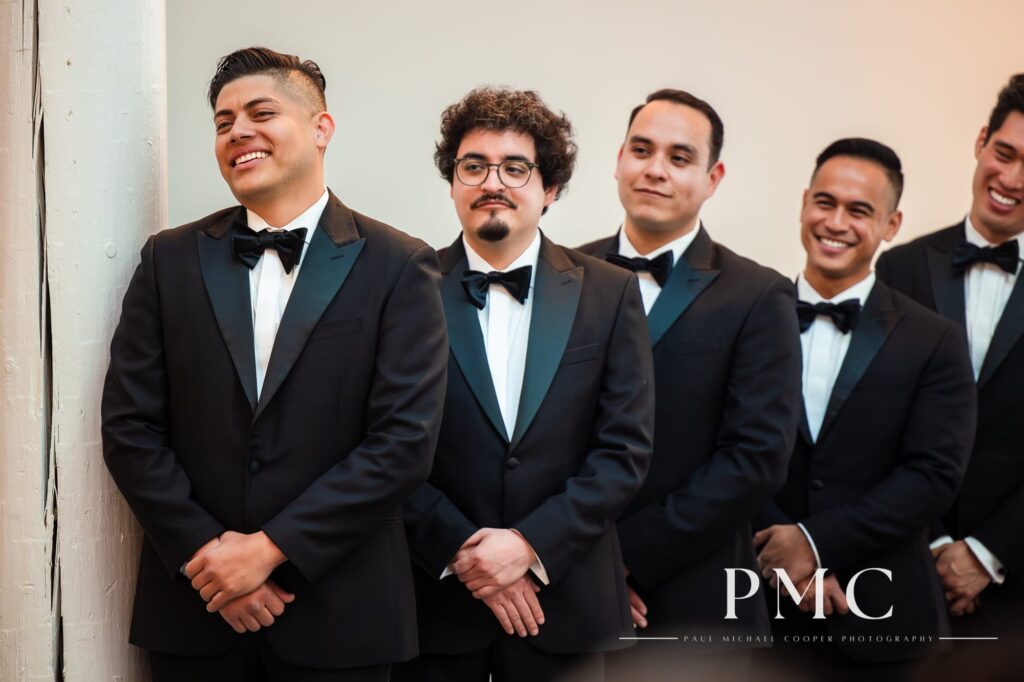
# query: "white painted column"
{"type": "Point", "coordinates": [27, 596]}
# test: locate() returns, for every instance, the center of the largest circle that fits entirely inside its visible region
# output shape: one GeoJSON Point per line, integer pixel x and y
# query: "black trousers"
{"type": "Point", "coordinates": [252, 660]}
{"type": "Point", "coordinates": [508, 659]}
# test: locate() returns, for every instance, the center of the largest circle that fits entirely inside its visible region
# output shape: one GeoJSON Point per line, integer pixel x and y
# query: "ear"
{"type": "Point", "coordinates": [716, 174]}
{"type": "Point", "coordinates": [895, 220]}
{"type": "Point", "coordinates": [550, 194]}
{"type": "Point", "coordinates": [323, 129]}
{"type": "Point", "coordinates": [618, 160]}
{"type": "Point", "coordinates": [979, 144]}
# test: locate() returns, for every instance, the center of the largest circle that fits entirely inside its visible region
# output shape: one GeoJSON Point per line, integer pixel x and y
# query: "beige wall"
{"type": "Point", "coordinates": [787, 77]}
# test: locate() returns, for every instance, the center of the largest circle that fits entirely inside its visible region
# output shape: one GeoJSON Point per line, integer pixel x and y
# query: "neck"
{"type": "Point", "coordinates": [499, 255]}
{"type": "Point", "coordinates": [645, 241]}
{"type": "Point", "coordinates": [991, 236]}
{"type": "Point", "coordinates": [284, 206]}
{"type": "Point", "coordinates": [830, 287]}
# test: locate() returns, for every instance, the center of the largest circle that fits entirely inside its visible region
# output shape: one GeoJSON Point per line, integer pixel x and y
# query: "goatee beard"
{"type": "Point", "coordinates": [493, 230]}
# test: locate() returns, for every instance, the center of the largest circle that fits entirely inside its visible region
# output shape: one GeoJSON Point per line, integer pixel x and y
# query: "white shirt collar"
{"type": "Point", "coordinates": [859, 291]}
{"type": "Point", "coordinates": [676, 246]}
{"type": "Point", "coordinates": [529, 257]}
{"type": "Point", "coordinates": [974, 237]}
{"type": "Point", "coordinates": [309, 218]}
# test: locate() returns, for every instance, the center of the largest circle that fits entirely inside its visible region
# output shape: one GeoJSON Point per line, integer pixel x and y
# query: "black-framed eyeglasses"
{"type": "Point", "coordinates": [512, 173]}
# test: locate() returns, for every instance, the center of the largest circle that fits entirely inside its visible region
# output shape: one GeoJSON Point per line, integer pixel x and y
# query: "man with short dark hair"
{"type": "Point", "coordinates": [274, 394]}
{"type": "Point", "coordinates": [547, 424]}
{"type": "Point", "coordinates": [727, 368]}
{"type": "Point", "coordinates": [970, 273]}
{"type": "Point", "coordinates": [887, 425]}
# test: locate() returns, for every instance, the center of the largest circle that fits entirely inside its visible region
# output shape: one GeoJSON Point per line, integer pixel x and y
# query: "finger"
{"type": "Point", "coordinates": [274, 603]}
{"type": "Point", "coordinates": [761, 536]}
{"type": "Point", "coordinates": [475, 538]}
{"type": "Point", "coordinates": [637, 603]}
{"type": "Point", "coordinates": [517, 620]}
{"type": "Point", "coordinates": [208, 591]}
{"type": "Point", "coordinates": [826, 605]}
{"type": "Point", "coordinates": [488, 591]}
{"type": "Point", "coordinates": [194, 567]}
{"type": "Point", "coordinates": [531, 599]}
{"type": "Point", "coordinates": [250, 623]}
{"type": "Point", "coordinates": [265, 617]}
{"type": "Point", "coordinates": [201, 580]}
{"type": "Point", "coordinates": [525, 612]}
{"type": "Point", "coordinates": [638, 618]}
{"type": "Point", "coordinates": [286, 597]}
{"type": "Point", "coordinates": [499, 612]}
{"type": "Point", "coordinates": [462, 566]}
{"type": "Point", "coordinates": [236, 625]}
{"type": "Point", "coordinates": [842, 606]}
{"type": "Point", "coordinates": [219, 600]}
{"type": "Point", "coordinates": [535, 586]}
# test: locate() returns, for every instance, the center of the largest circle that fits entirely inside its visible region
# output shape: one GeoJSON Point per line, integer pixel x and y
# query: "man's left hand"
{"type": "Point", "coordinates": [963, 576]}
{"type": "Point", "coordinates": [785, 547]}
{"type": "Point", "coordinates": [491, 560]}
{"type": "Point", "coordinates": [237, 565]}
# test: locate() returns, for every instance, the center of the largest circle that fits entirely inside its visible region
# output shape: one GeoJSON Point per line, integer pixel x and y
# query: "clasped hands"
{"type": "Point", "coordinates": [963, 577]}
{"type": "Point", "coordinates": [785, 546]}
{"type": "Point", "coordinates": [493, 564]}
{"type": "Point", "coordinates": [231, 574]}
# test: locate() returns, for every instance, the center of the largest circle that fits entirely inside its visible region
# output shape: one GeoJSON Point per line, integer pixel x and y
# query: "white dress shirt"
{"type": "Point", "coordinates": [824, 349]}
{"type": "Point", "coordinates": [649, 287]}
{"type": "Point", "coordinates": [270, 286]}
{"type": "Point", "coordinates": [505, 324]}
{"type": "Point", "coordinates": [987, 288]}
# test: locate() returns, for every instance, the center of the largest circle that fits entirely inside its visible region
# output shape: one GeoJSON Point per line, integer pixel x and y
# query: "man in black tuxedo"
{"type": "Point", "coordinates": [547, 423]}
{"type": "Point", "coordinates": [274, 394]}
{"type": "Point", "coordinates": [727, 367]}
{"type": "Point", "coordinates": [888, 420]}
{"type": "Point", "coordinates": [969, 273]}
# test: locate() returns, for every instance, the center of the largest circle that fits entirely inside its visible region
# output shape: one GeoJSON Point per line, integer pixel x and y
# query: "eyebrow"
{"type": "Point", "coordinates": [509, 157]}
{"type": "Point", "coordinates": [688, 148]}
{"type": "Point", "coordinates": [854, 204]}
{"type": "Point", "coordinates": [248, 105]}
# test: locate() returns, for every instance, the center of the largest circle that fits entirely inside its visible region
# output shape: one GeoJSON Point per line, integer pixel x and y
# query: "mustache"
{"type": "Point", "coordinates": [493, 197]}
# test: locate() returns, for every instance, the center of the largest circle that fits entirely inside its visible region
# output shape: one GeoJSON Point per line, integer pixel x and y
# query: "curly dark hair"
{"type": "Point", "coordinates": [522, 111]}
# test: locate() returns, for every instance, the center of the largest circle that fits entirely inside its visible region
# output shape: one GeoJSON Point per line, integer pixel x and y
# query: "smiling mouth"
{"type": "Point", "coordinates": [1002, 199]}
{"type": "Point", "coordinates": [833, 243]}
{"type": "Point", "coordinates": [246, 158]}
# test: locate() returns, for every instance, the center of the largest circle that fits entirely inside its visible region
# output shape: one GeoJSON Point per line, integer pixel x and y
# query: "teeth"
{"type": "Point", "coordinates": [1002, 199]}
{"type": "Point", "coordinates": [250, 156]}
{"type": "Point", "coordinates": [833, 243]}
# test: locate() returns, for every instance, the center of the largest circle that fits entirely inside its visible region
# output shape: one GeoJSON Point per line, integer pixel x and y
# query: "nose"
{"type": "Point", "coordinates": [1014, 176]}
{"type": "Point", "coordinates": [655, 167]}
{"type": "Point", "coordinates": [492, 184]}
{"type": "Point", "coordinates": [241, 129]}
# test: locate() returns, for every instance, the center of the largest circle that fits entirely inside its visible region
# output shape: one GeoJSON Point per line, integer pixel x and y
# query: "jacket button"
{"type": "Point", "coordinates": [513, 462]}
{"type": "Point", "coordinates": [817, 484]}
{"type": "Point", "coordinates": [254, 466]}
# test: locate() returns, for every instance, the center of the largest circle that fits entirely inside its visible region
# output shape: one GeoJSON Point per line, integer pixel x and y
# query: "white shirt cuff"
{"type": "Point", "coordinates": [446, 572]}
{"type": "Point", "coordinates": [810, 540]}
{"type": "Point", "coordinates": [537, 568]}
{"type": "Point", "coordinates": [994, 567]}
{"type": "Point", "coordinates": [940, 541]}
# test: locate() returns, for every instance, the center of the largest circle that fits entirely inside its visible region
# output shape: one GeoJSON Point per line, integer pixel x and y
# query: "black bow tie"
{"type": "Point", "coordinates": [1005, 256]}
{"type": "Point", "coordinates": [844, 315]}
{"type": "Point", "coordinates": [249, 245]}
{"type": "Point", "coordinates": [660, 267]}
{"type": "Point", "coordinates": [516, 282]}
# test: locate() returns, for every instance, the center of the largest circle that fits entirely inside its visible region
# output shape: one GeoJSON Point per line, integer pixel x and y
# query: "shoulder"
{"type": "Point", "coordinates": [925, 322]}
{"type": "Point", "coordinates": [599, 247]}
{"type": "Point", "coordinates": [386, 240]}
{"type": "Point", "coordinates": [754, 277]}
{"type": "Point", "coordinates": [916, 247]}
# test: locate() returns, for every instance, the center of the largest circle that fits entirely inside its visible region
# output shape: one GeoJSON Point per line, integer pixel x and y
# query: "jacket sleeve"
{"type": "Point", "coordinates": [136, 442]}
{"type": "Point", "coordinates": [754, 442]}
{"type": "Point", "coordinates": [332, 516]}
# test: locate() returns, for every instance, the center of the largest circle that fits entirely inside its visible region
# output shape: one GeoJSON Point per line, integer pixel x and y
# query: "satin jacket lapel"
{"type": "Point", "coordinates": [227, 283]}
{"type": "Point", "coordinates": [689, 278]}
{"type": "Point", "coordinates": [557, 290]}
{"type": "Point", "coordinates": [332, 251]}
{"type": "Point", "coordinates": [464, 335]}
{"type": "Point", "coordinates": [947, 286]}
{"type": "Point", "coordinates": [1007, 334]}
{"type": "Point", "coordinates": [877, 320]}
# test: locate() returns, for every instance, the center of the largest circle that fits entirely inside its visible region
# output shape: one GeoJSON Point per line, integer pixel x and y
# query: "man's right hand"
{"type": "Point", "coordinates": [256, 609]}
{"type": "Point", "coordinates": [833, 597]}
{"type": "Point", "coordinates": [516, 607]}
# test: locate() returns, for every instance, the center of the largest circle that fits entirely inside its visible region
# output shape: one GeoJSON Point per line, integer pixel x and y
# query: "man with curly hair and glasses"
{"type": "Point", "coordinates": [547, 426]}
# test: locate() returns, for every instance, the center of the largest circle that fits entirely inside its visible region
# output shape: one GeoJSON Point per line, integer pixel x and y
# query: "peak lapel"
{"type": "Point", "coordinates": [332, 251]}
{"type": "Point", "coordinates": [1008, 332]}
{"type": "Point", "coordinates": [689, 278]}
{"type": "Point", "coordinates": [465, 337]}
{"type": "Point", "coordinates": [557, 294]}
{"type": "Point", "coordinates": [227, 283]}
{"type": "Point", "coordinates": [947, 286]}
{"type": "Point", "coordinates": [878, 318]}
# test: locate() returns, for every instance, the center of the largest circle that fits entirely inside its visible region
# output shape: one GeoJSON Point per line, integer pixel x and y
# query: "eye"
{"type": "Point", "coordinates": [640, 150]}
{"type": "Point", "coordinates": [473, 166]}
{"type": "Point", "coordinates": [221, 126]}
{"type": "Point", "coordinates": [1002, 155]}
{"type": "Point", "coordinates": [680, 160]}
{"type": "Point", "coordinates": [515, 169]}
{"type": "Point", "coordinates": [262, 113]}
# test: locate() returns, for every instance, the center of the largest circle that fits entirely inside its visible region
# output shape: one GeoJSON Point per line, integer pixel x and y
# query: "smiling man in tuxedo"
{"type": "Point", "coordinates": [274, 394]}
{"type": "Point", "coordinates": [970, 273]}
{"type": "Point", "coordinates": [547, 423]}
{"type": "Point", "coordinates": [888, 420]}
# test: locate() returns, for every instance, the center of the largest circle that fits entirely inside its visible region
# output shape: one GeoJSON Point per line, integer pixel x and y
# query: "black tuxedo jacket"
{"type": "Point", "coordinates": [343, 431]}
{"type": "Point", "coordinates": [727, 372]}
{"type": "Point", "coordinates": [990, 505]}
{"type": "Point", "coordinates": [578, 454]}
{"type": "Point", "coordinates": [887, 463]}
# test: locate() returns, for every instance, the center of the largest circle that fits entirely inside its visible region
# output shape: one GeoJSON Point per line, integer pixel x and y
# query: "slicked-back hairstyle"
{"type": "Point", "coordinates": [303, 77]}
{"type": "Point", "coordinates": [684, 98]}
{"type": "Point", "coordinates": [869, 150]}
{"type": "Point", "coordinates": [1011, 98]}
{"type": "Point", "coordinates": [521, 111]}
